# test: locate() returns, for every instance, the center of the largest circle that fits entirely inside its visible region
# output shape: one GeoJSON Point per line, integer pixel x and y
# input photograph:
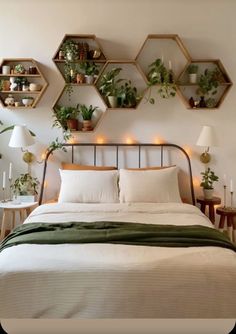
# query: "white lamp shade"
{"type": "Point", "coordinates": [21, 137]}
{"type": "Point", "coordinates": [207, 137]}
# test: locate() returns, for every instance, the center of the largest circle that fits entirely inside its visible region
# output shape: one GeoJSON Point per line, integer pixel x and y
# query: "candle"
{"type": "Point", "coordinates": [231, 186]}
{"type": "Point", "coordinates": [162, 59]}
{"type": "Point", "coordinates": [170, 65]}
{"type": "Point", "coordinates": [10, 171]}
{"type": "Point", "coordinates": [3, 180]}
{"type": "Point", "coordinates": [224, 177]}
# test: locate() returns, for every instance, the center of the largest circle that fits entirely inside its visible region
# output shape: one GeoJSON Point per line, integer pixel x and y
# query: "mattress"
{"type": "Point", "coordinates": [115, 280]}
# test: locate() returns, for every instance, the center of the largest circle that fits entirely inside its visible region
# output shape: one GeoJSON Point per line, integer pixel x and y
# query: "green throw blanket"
{"type": "Point", "coordinates": [116, 233]}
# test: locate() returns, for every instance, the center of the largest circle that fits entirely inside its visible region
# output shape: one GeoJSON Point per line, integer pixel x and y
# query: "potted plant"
{"type": "Point", "coordinates": [66, 117]}
{"type": "Point", "coordinates": [25, 188]}
{"type": "Point", "coordinates": [19, 69]}
{"type": "Point", "coordinates": [159, 75]}
{"type": "Point", "coordinates": [19, 82]}
{"type": "Point", "coordinates": [127, 96]}
{"type": "Point", "coordinates": [192, 72]}
{"type": "Point", "coordinates": [207, 86]}
{"type": "Point", "coordinates": [25, 84]}
{"type": "Point", "coordinates": [70, 50]}
{"type": "Point", "coordinates": [208, 178]}
{"type": "Point", "coordinates": [108, 85]}
{"type": "Point", "coordinates": [86, 113]}
{"type": "Point", "coordinates": [90, 70]}
{"type": "Point", "coordinates": [27, 101]}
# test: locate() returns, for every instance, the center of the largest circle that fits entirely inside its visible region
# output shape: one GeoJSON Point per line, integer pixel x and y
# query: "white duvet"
{"type": "Point", "coordinates": [117, 281]}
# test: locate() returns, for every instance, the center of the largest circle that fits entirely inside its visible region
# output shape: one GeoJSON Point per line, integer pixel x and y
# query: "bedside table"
{"type": "Point", "coordinates": [229, 214]}
{"type": "Point", "coordinates": [10, 208]}
{"type": "Point", "coordinates": [211, 203]}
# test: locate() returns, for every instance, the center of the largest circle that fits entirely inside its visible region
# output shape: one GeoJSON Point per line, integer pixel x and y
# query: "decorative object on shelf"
{"type": "Point", "coordinates": [87, 113]}
{"type": "Point", "coordinates": [202, 102]}
{"type": "Point", "coordinates": [159, 75]}
{"type": "Point", "coordinates": [109, 84]}
{"type": "Point", "coordinates": [127, 96]}
{"type": "Point", "coordinates": [5, 85]}
{"type": "Point", "coordinates": [6, 69]}
{"type": "Point", "coordinates": [19, 69]}
{"type": "Point", "coordinates": [209, 82]}
{"type": "Point", "coordinates": [66, 117]}
{"type": "Point", "coordinates": [21, 137]}
{"type": "Point", "coordinates": [25, 71]}
{"type": "Point", "coordinates": [191, 102]}
{"type": "Point", "coordinates": [27, 101]}
{"type": "Point", "coordinates": [70, 50]}
{"type": "Point", "coordinates": [13, 83]}
{"type": "Point", "coordinates": [9, 101]}
{"type": "Point", "coordinates": [192, 72]}
{"type": "Point", "coordinates": [33, 87]}
{"type": "Point", "coordinates": [90, 71]}
{"type": "Point", "coordinates": [207, 138]}
{"type": "Point", "coordinates": [80, 78]}
{"type": "Point", "coordinates": [208, 178]}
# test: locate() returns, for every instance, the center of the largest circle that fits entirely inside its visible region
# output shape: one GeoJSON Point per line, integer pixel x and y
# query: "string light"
{"type": "Point", "coordinates": [100, 140]}
{"type": "Point", "coordinates": [158, 140]}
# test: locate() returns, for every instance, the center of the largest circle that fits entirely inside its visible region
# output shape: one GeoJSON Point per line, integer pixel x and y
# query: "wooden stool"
{"type": "Point", "coordinates": [11, 209]}
{"type": "Point", "coordinates": [211, 203]}
{"type": "Point", "coordinates": [228, 213]}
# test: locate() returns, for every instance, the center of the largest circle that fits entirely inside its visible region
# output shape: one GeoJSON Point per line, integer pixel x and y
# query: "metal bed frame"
{"type": "Point", "coordinates": [117, 146]}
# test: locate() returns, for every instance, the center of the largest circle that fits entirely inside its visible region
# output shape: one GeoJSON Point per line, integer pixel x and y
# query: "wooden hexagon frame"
{"type": "Point", "coordinates": [37, 77]}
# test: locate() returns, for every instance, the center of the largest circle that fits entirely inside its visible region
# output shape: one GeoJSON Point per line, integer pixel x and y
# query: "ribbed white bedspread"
{"type": "Point", "coordinates": [117, 281]}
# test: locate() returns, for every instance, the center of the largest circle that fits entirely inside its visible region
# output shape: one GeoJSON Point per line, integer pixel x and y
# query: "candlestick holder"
{"type": "Point", "coordinates": [10, 191]}
{"type": "Point", "coordinates": [4, 195]}
{"type": "Point", "coordinates": [231, 199]}
{"type": "Point", "coordinates": [225, 195]}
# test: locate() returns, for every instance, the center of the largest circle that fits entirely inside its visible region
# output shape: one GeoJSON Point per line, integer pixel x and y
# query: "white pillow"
{"type": "Point", "coordinates": [154, 186]}
{"type": "Point", "coordinates": [88, 186]}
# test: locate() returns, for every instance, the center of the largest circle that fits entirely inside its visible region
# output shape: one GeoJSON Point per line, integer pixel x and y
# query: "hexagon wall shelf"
{"type": "Point", "coordinates": [86, 94]}
{"type": "Point", "coordinates": [130, 71]}
{"type": "Point", "coordinates": [167, 47]}
{"type": "Point", "coordinates": [28, 81]}
{"type": "Point", "coordinates": [189, 88]}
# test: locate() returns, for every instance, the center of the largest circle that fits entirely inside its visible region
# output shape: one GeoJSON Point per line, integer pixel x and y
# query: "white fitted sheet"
{"type": "Point", "coordinates": [117, 281]}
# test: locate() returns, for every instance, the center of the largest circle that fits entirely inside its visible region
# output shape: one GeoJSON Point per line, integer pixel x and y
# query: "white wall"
{"type": "Point", "coordinates": [207, 28]}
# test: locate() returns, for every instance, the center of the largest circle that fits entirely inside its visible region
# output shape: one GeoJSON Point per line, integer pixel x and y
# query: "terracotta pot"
{"type": "Point", "coordinates": [87, 126]}
{"type": "Point", "coordinates": [72, 124]}
{"type": "Point", "coordinates": [79, 78]}
{"type": "Point", "coordinates": [6, 85]}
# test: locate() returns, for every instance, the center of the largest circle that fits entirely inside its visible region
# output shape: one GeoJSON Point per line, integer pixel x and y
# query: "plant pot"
{"type": "Point", "coordinates": [193, 78]}
{"type": "Point", "coordinates": [89, 79]}
{"type": "Point", "coordinates": [208, 193]}
{"type": "Point", "coordinates": [80, 78]}
{"type": "Point", "coordinates": [87, 125]}
{"type": "Point", "coordinates": [6, 69]}
{"type": "Point", "coordinates": [72, 124]}
{"type": "Point", "coordinates": [112, 101]}
{"type": "Point", "coordinates": [6, 85]}
{"type": "Point", "coordinates": [25, 198]}
{"type": "Point", "coordinates": [27, 102]}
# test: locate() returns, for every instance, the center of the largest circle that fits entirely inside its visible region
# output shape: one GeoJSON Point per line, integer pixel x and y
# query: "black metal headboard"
{"type": "Point", "coordinates": [117, 146]}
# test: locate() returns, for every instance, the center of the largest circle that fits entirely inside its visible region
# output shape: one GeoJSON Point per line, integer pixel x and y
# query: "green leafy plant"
{"type": "Point", "coordinates": [70, 50]}
{"type": "Point", "coordinates": [109, 84]}
{"type": "Point", "coordinates": [159, 75]}
{"type": "Point", "coordinates": [62, 114]}
{"type": "Point", "coordinates": [87, 112]}
{"type": "Point", "coordinates": [208, 178]}
{"type": "Point", "coordinates": [192, 69]}
{"type": "Point", "coordinates": [11, 127]}
{"type": "Point", "coordinates": [25, 184]}
{"type": "Point", "coordinates": [127, 95]}
{"type": "Point", "coordinates": [209, 82]}
{"type": "Point", "coordinates": [19, 68]}
{"type": "Point", "coordinates": [27, 97]}
{"type": "Point", "coordinates": [56, 145]}
{"type": "Point", "coordinates": [88, 68]}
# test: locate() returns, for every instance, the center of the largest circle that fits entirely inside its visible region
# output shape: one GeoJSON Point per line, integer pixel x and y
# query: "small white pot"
{"type": "Point", "coordinates": [6, 69]}
{"type": "Point", "coordinates": [112, 101]}
{"type": "Point", "coordinates": [89, 79]}
{"type": "Point", "coordinates": [27, 102]}
{"type": "Point", "coordinates": [193, 78]}
{"type": "Point", "coordinates": [25, 198]}
{"type": "Point", "coordinates": [208, 193]}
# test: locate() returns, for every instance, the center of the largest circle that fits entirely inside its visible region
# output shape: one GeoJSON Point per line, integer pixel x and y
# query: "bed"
{"type": "Point", "coordinates": [118, 279]}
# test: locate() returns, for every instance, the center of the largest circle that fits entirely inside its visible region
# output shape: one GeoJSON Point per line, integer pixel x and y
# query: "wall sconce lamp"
{"type": "Point", "coordinates": [21, 138]}
{"type": "Point", "coordinates": [207, 138]}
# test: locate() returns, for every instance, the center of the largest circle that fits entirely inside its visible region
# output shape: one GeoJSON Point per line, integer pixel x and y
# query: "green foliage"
{"type": "Point", "coordinates": [19, 68]}
{"type": "Point", "coordinates": [62, 114]}
{"type": "Point", "coordinates": [88, 68]}
{"type": "Point", "coordinates": [109, 83]}
{"type": "Point", "coordinates": [208, 178]}
{"type": "Point", "coordinates": [192, 69]}
{"type": "Point", "coordinates": [27, 97]}
{"type": "Point", "coordinates": [209, 82]}
{"type": "Point", "coordinates": [87, 112]}
{"type": "Point", "coordinates": [70, 47]}
{"type": "Point", "coordinates": [11, 127]}
{"type": "Point", "coordinates": [159, 75]}
{"type": "Point", "coordinates": [56, 145]}
{"type": "Point", "coordinates": [127, 95]}
{"type": "Point", "coordinates": [25, 184]}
